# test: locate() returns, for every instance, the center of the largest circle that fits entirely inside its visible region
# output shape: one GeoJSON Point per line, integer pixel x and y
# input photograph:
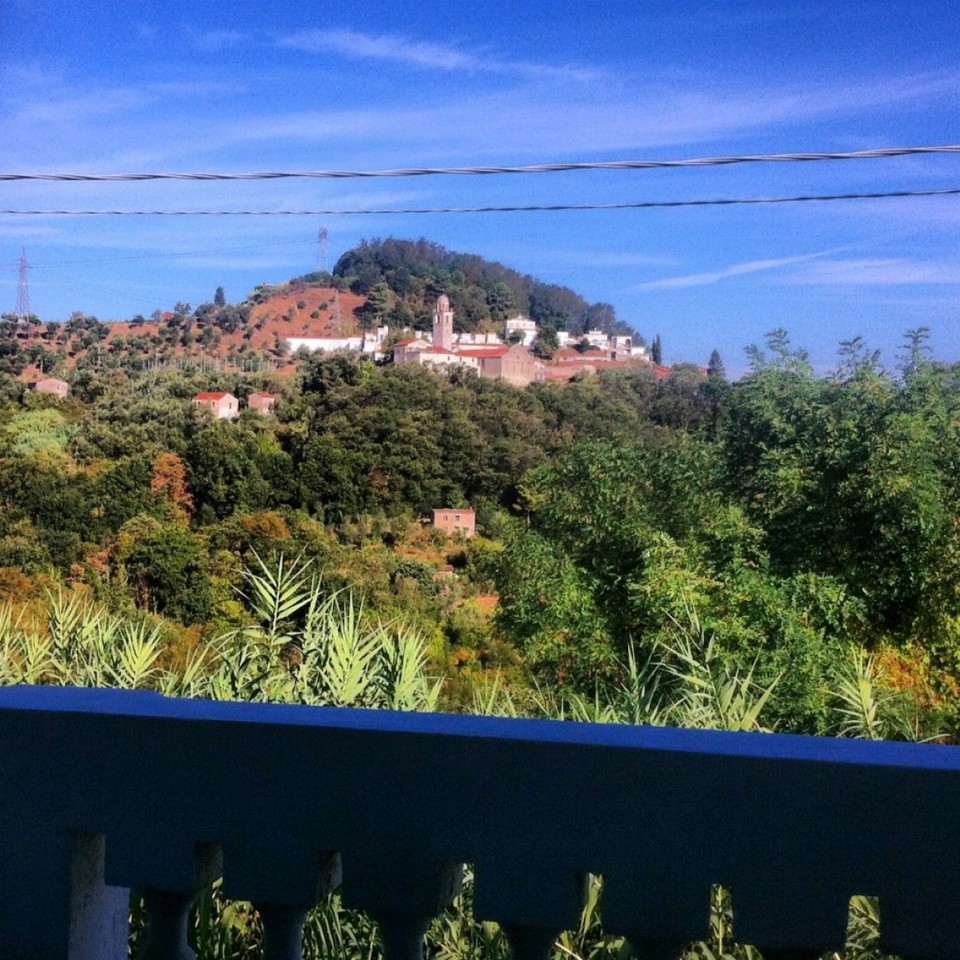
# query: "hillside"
{"type": "Point", "coordinates": [246, 335]}
{"type": "Point", "coordinates": [381, 282]}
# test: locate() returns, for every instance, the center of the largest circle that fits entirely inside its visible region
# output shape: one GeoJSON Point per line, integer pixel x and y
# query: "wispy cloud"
{"type": "Point", "coordinates": [84, 107]}
{"type": "Point", "coordinates": [537, 118]}
{"type": "Point", "coordinates": [736, 270]}
{"type": "Point", "coordinates": [814, 270]}
{"type": "Point", "coordinates": [19, 231]}
{"type": "Point", "coordinates": [422, 54]}
{"type": "Point", "coordinates": [352, 43]}
{"type": "Point", "coordinates": [73, 106]}
{"type": "Point", "coordinates": [877, 272]}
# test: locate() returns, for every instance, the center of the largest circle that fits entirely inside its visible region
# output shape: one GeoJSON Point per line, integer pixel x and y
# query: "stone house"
{"type": "Point", "coordinates": [455, 520]}
{"type": "Point", "coordinates": [262, 401]}
{"type": "Point", "coordinates": [59, 388]}
{"type": "Point", "coordinates": [224, 406]}
{"type": "Point", "coordinates": [516, 365]}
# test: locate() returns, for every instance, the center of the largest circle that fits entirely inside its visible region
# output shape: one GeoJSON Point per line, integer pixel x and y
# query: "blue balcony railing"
{"type": "Point", "coordinates": [102, 791]}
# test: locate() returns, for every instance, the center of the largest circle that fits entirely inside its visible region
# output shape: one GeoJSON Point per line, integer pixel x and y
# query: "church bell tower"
{"type": "Point", "coordinates": [443, 323]}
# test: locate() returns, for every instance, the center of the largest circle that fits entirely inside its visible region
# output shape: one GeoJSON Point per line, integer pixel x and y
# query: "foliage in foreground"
{"type": "Point", "coordinates": [302, 645]}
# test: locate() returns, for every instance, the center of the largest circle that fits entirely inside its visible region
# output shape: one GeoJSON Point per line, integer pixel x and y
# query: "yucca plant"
{"type": "Point", "coordinates": [456, 935]}
{"type": "Point", "coordinates": [588, 941]}
{"type": "Point", "coordinates": [638, 697]}
{"type": "Point", "coordinates": [304, 646]}
{"type": "Point", "coordinates": [76, 643]}
{"type": "Point", "coordinates": [863, 707]}
{"type": "Point", "coordinates": [708, 691]}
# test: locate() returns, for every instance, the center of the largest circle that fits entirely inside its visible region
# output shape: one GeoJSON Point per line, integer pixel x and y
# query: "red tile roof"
{"type": "Point", "coordinates": [480, 354]}
{"type": "Point", "coordinates": [213, 395]}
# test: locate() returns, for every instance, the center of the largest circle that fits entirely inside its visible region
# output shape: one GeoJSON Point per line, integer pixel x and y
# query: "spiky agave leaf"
{"type": "Point", "coordinates": [709, 692]}
{"type": "Point", "coordinates": [276, 594]}
{"type": "Point", "coordinates": [864, 708]}
{"type": "Point", "coordinates": [402, 669]}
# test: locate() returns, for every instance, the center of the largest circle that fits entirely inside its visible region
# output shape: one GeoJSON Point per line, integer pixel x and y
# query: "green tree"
{"type": "Point", "coordinates": [656, 350]}
{"type": "Point", "coordinates": [167, 568]}
{"type": "Point", "coordinates": [547, 342]}
{"type": "Point", "coordinates": [715, 367]}
{"type": "Point", "coordinates": [374, 310]}
{"type": "Point", "coordinates": [500, 301]}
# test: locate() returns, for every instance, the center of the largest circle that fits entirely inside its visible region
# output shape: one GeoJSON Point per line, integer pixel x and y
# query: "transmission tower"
{"type": "Point", "coordinates": [22, 309]}
{"type": "Point", "coordinates": [322, 249]}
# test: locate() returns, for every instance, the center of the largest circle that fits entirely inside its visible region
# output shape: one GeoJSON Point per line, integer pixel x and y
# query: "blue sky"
{"type": "Point", "coordinates": [177, 86]}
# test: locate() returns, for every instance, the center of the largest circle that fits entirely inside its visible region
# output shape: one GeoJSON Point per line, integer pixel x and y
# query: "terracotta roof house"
{"type": "Point", "coordinates": [454, 520]}
{"type": "Point", "coordinates": [224, 406]}
{"type": "Point", "coordinates": [49, 385]}
{"type": "Point", "coordinates": [516, 364]}
{"type": "Point", "coordinates": [262, 401]}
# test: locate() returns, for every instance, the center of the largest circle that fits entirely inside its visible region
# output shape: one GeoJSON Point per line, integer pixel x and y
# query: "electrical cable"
{"type": "Point", "coordinates": [876, 153]}
{"type": "Point", "coordinates": [532, 208]}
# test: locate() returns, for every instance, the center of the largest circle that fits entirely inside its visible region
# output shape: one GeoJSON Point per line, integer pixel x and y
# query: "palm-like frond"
{"type": "Point", "coordinates": [277, 594]}
{"type": "Point", "coordinates": [710, 692]}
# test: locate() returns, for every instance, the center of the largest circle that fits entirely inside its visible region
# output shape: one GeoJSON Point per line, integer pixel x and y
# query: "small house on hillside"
{"type": "Point", "coordinates": [224, 406]}
{"type": "Point", "coordinates": [52, 385]}
{"type": "Point", "coordinates": [455, 520]}
{"type": "Point", "coordinates": [262, 402]}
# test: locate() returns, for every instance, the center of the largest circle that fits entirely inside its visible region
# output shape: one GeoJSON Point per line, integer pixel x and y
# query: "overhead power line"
{"type": "Point", "coordinates": [878, 153]}
{"type": "Point", "coordinates": [531, 208]}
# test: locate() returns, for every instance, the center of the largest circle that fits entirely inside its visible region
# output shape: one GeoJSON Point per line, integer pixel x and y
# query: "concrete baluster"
{"type": "Point", "coordinates": [401, 934]}
{"type": "Point", "coordinates": [530, 943]}
{"type": "Point", "coordinates": [168, 916]}
{"type": "Point", "coordinates": [532, 898]}
{"type": "Point", "coordinates": [169, 872]}
{"type": "Point", "coordinates": [282, 930]}
{"type": "Point", "coordinates": [283, 883]}
{"type": "Point", "coordinates": [99, 926]}
{"type": "Point", "coordinates": [648, 949]}
{"type": "Point", "coordinates": [402, 892]}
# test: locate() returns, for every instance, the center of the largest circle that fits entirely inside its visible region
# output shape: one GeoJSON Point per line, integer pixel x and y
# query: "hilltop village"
{"type": "Point", "coordinates": [390, 301]}
{"type": "Point", "coordinates": [509, 356]}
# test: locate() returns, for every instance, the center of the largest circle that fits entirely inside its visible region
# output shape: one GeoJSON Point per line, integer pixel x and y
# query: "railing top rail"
{"type": "Point", "coordinates": [760, 746]}
{"type": "Point", "coordinates": [792, 825]}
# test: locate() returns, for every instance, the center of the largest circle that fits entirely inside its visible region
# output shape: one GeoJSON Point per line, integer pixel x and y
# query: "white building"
{"type": "Point", "coordinates": [524, 326]}
{"type": "Point", "coordinates": [370, 343]}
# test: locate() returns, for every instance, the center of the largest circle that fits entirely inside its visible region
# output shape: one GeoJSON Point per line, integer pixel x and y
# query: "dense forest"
{"type": "Point", "coordinates": [402, 279]}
